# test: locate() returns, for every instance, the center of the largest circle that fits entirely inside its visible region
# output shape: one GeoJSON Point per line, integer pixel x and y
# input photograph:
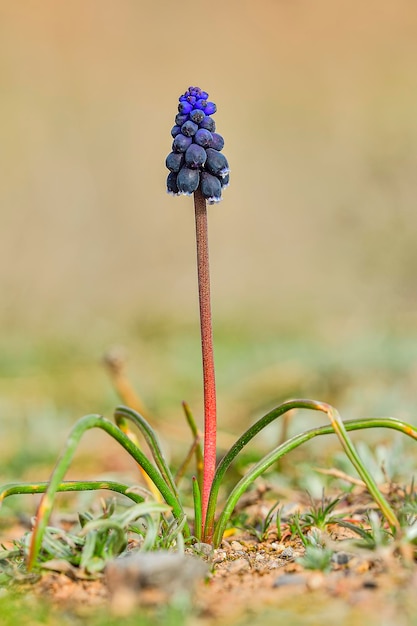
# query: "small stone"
{"type": "Point", "coordinates": [278, 547]}
{"type": "Point", "coordinates": [236, 545]}
{"type": "Point", "coordinates": [289, 579]}
{"type": "Point", "coordinates": [341, 558]}
{"type": "Point", "coordinates": [287, 553]}
{"type": "Point", "coordinates": [168, 571]}
{"type": "Point", "coordinates": [219, 556]}
{"type": "Point", "coordinates": [239, 566]}
{"type": "Point", "coordinates": [361, 567]}
{"type": "Point", "coordinates": [203, 548]}
{"type": "Point", "coordinates": [315, 581]}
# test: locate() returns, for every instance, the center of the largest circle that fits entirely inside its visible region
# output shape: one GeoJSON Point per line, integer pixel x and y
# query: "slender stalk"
{"type": "Point", "coordinates": [115, 365]}
{"type": "Point", "coordinates": [197, 509]}
{"type": "Point", "coordinates": [207, 348]}
{"type": "Point", "coordinates": [179, 474]}
{"type": "Point", "coordinates": [197, 436]}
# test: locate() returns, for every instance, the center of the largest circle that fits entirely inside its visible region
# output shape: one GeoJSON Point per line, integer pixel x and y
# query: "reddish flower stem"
{"type": "Point", "coordinates": [207, 349]}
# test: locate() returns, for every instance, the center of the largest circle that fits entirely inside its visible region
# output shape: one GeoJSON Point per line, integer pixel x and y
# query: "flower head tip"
{"type": "Point", "coordinates": [196, 161]}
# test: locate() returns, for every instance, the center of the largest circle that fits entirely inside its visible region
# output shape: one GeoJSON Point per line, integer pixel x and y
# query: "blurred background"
{"type": "Point", "coordinates": [313, 248]}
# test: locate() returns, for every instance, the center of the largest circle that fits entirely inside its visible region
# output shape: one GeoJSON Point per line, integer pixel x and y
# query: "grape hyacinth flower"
{"type": "Point", "coordinates": [196, 161]}
{"type": "Point", "coordinates": [197, 166]}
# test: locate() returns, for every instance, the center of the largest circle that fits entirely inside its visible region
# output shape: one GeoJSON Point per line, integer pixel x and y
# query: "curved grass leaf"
{"type": "Point", "coordinates": [243, 440]}
{"type": "Point", "coordinates": [84, 424]}
{"type": "Point", "coordinates": [291, 444]}
{"type": "Point", "coordinates": [13, 489]}
{"type": "Point", "coordinates": [120, 415]}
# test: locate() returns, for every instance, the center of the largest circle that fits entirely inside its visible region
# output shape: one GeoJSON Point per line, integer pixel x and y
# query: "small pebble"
{"type": "Point", "coordinates": [289, 579]}
{"type": "Point", "coordinates": [203, 548]}
{"type": "Point", "coordinates": [236, 545]}
{"type": "Point", "coordinates": [238, 566]}
{"type": "Point", "coordinates": [170, 571]}
{"type": "Point", "coordinates": [219, 556]}
{"type": "Point", "coordinates": [287, 553]}
{"type": "Point", "coordinates": [341, 558]}
{"type": "Point", "coordinates": [315, 581]}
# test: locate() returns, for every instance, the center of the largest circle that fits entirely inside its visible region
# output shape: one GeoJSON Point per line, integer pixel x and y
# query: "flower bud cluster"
{"type": "Point", "coordinates": [196, 161]}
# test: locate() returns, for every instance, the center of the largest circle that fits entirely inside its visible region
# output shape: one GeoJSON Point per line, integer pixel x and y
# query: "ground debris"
{"type": "Point", "coordinates": [249, 573]}
{"type": "Point", "coordinates": [151, 578]}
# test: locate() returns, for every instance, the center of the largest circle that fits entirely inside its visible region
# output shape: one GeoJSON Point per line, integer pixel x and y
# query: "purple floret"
{"type": "Point", "coordinates": [188, 180]}
{"type": "Point", "coordinates": [208, 123]}
{"type": "Point", "coordinates": [175, 161]}
{"type": "Point", "coordinates": [196, 156]}
{"type": "Point", "coordinates": [197, 115]}
{"type": "Point", "coordinates": [181, 143]}
{"type": "Point", "coordinates": [210, 108]}
{"type": "Point", "coordinates": [172, 186]}
{"type": "Point", "coordinates": [216, 163]}
{"type": "Point", "coordinates": [203, 137]}
{"type": "Point", "coordinates": [189, 128]}
{"type": "Point", "coordinates": [211, 187]}
{"type": "Point", "coordinates": [224, 180]}
{"type": "Point", "coordinates": [200, 104]}
{"type": "Point", "coordinates": [217, 142]}
{"type": "Point", "coordinates": [184, 108]}
{"type": "Point", "coordinates": [180, 119]}
{"type": "Point", "coordinates": [175, 130]}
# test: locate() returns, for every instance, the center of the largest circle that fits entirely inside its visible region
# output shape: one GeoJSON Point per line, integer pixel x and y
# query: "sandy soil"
{"type": "Point", "coordinates": [247, 578]}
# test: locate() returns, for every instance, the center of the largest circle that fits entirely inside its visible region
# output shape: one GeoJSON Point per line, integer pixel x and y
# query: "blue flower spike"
{"type": "Point", "coordinates": [196, 161]}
